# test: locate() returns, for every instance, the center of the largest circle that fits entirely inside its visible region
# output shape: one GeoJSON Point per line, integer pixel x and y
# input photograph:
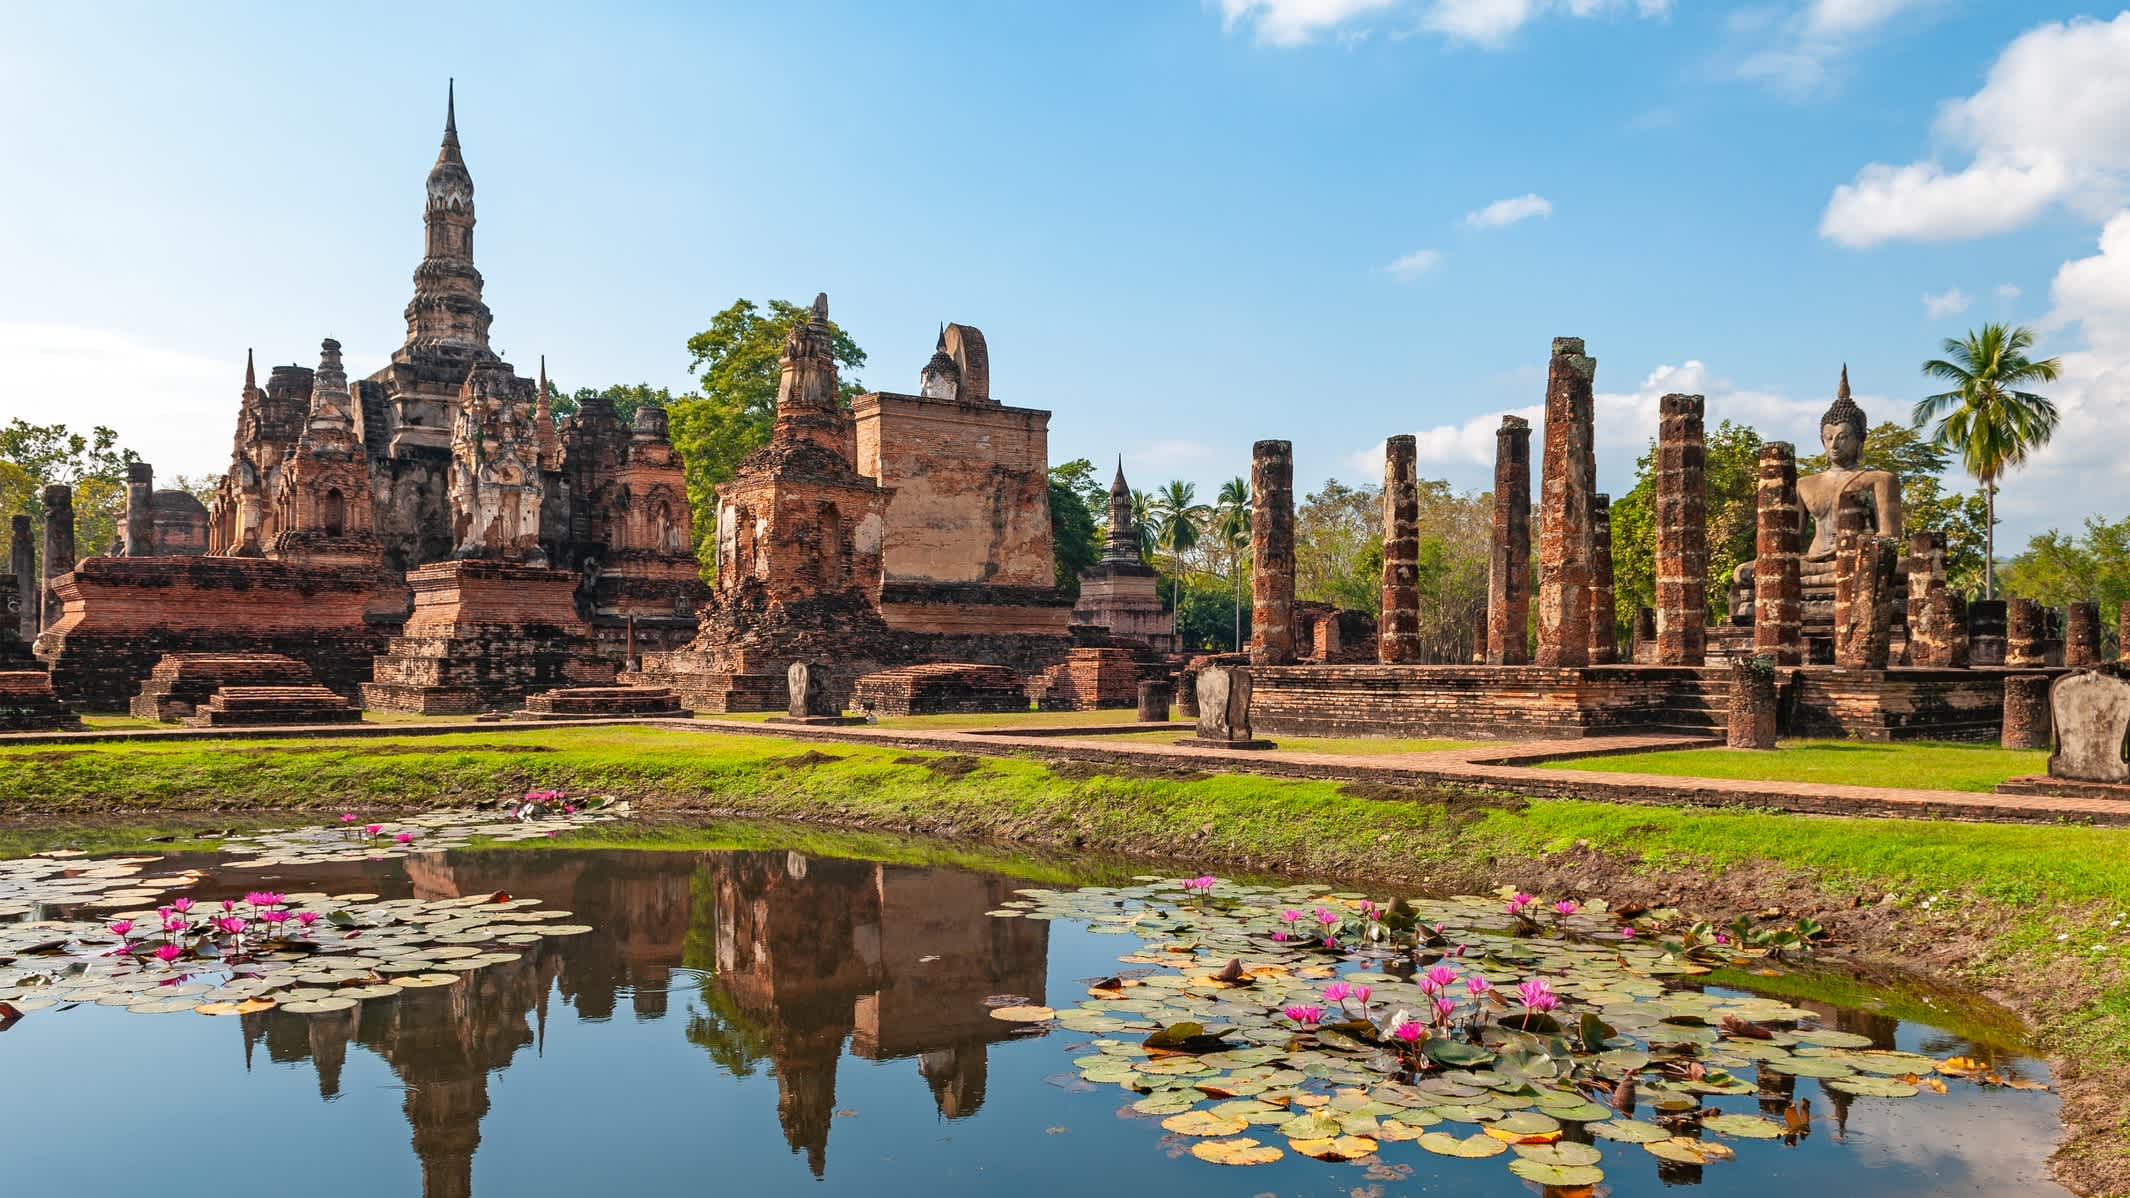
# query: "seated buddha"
{"type": "Point", "coordinates": [1841, 433]}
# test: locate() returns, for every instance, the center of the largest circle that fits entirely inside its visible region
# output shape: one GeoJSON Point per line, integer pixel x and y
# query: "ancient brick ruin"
{"type": "Point", "coordinates": [1564, 542]}
{"type": "Point", "coordinates": [1508, 637]}
{"type": "Point", "coordinates": [1778, 603]}
{"type": "Point", "coordinates": [1272, 553]}
{"type": "Point", "coordinates": [1398, 627]}
{"type": "Point", "coordinates": [1682, 532]}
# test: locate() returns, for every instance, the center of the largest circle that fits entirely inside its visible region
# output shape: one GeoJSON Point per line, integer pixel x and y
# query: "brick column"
{"type": "Point", "coordinates": [1154, 700]}
{"type": "Point", "coordinates": [1865, 568]}
{"type": "Point", "coordinates": [1778, 596]}
{"type": "Point", "coordinates": [1751, 723]}
{"type": "Point", "coordinates": [139, 531]}
{"type": "Point", "coordinates": [2081, 634]}
{"type": "Point", "coordinates": [1479, 639]}
{"type": "Point", "coordinates": [2026, 711]}
{"type": "Point", "coordinates": [1272, 553]}
{"type": "Point", "coordinates": [1850, 523]}
{"type": "Point", "coordinates": [1642, 644]}
{"type": "Point", "coordinates": [22, 563]}
{"type": "Point", "coordinates": [58, 545]}
{"type": "Point", "coordinates": [2026, 631]}
{"type": "Point", "coordinates": [1398, 628]}
{"type": "Point", "coordinates": [1508, 639]}
{"type": "Point", "coordinates": [1564, 508]}
{"type": "Point", "coordinates": [1682, 532]}
{"type": "Point", "coordinates": [1926, 573]}
{"type": "Point", "coordinates": [1938, 641]}
{"type": "Point", "coordinates": [1604, 607]}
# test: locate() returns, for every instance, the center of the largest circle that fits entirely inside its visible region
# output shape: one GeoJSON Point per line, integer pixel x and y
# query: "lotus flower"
{"type": "Point", "coordinates": [122, 929]}
{"type": "Point", "coordinates": [306, 918]}
{"type": "Point", "coordinates": [1290, 915]}
{"type": "Point", "coordinates": [1443, 1007]}
{"type": "Point", "coordinates": [1519, 902]}
{"type": "Point", "coordinates": [1201, 883]}
{"type": "Point", "coordinates": [1627, 930]}
{"type": "Point", "coordinates": [229, 905]}
{"type": "Point", "coordinates": [169, 952]}
{"type": "Point", "coordinates": [1278, 937]}
{"type": "Point", "coordinates": [1408, 1030]}
{"type": "Point", "coordinates": [1477, 986]}
{"type": "Point", "coordinates": [1440, 975]}
{"type": "Point", "coordinates": [174, 926]}
{"type": "Point", "coordinates": [405, 838]}
{"type": "Point", "coordinates": [1327, 917]}
{"type": "Point", "coordinates": [347, 817]}
{"type": "Point", "coordinates": [1361, 993]}
{"type": "Point", "coordinates": [1537, 995]}
{"type": "Point", "coordinates": [275, 917]}
{"type": "Point", "coordinates": [372, 829]}
{"type": "Point", "coordinates": [1567, 906]}
{"type": "Point", "coordinates": [568, 809]}
{"type": "Point", "coordinates": [1305, 1015]}
{"type": "Point", "coordinates": [181, 905]}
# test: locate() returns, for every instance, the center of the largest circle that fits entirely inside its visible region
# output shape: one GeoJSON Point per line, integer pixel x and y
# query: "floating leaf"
{"type": "Point", "coordinates": [1749, 1127]}
{"type": "Point", "coordinates": [1202, 1123]}
{"type": "Point", "coordinates": [1024, 1014]}
{"type": "Point", "coordinates": [1687, 1151]}
{"type": "Point", "coordinates": [1471, 1147]}
{"type": "Point", "coordinates": [1629, 1131]}
{"type": "Point", "coordinates": [1557, 1175]}
{"type": "Point", "coordinates": [1340, 1148]}
{"type": "Point", "coordinates": [1238, 1151]}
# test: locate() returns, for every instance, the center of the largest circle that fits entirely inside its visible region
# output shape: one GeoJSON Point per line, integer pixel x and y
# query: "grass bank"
{"type": "Point", "coordinates": [2031, 913]}
{"type": "Point", "coordinates": [1940, 766]}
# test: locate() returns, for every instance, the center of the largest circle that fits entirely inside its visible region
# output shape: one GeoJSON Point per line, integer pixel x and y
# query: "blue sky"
{"type": "Point", "coordinates": [1182, 226]}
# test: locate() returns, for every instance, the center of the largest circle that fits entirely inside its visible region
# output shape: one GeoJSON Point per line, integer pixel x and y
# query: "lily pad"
{"type": "Point", "coordinates": [1239, 1151]}
{"type": "Point", "coordinates": [1469, 1147]}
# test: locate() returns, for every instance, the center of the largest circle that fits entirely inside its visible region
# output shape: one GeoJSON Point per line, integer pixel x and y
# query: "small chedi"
{"type": "Point", "coordinates": [1118, 592]}
{"type": "Point", "coordinates": [904, 530]}
{"type": "Point", "coordinates": [340, 491]}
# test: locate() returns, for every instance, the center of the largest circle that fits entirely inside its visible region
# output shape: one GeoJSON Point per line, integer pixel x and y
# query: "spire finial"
{"type": "Point", "coordinates": [1842, 392]}
{"type": "Point", "coordinates": [941, 344]}
{"type": "Point", "coordinates": [821, 307]}
{"type": "Point", "coordinates": [451, 109]}
{"type": "Point", "coordinates": [251, 373]}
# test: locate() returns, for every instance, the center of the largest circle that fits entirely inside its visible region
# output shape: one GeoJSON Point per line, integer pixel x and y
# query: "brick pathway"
{"type": "Point", "coordinates": [1504, 766]}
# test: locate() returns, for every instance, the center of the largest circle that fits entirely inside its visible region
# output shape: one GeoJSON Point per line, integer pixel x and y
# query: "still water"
{"type": "Point", "coordinates": [764, 1022]}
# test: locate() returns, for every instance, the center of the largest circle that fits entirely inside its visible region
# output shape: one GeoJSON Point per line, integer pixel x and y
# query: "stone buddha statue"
{"type": "Point", "coordinates": [1841, 433]}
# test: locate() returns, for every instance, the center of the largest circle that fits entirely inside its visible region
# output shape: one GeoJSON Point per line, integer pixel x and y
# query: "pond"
{"type": "Point", "coordinates": [771, 1019]}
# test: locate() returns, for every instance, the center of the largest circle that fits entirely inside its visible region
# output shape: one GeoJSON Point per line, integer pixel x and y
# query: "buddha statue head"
{"type": "Point", "coordinates": [1841, 430]}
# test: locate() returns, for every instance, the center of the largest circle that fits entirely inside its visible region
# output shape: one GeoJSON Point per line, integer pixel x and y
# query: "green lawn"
{"type": "Point", "coordinates": [1357, 746]}
{"type": "Point", "coordinates": [1930, 764]}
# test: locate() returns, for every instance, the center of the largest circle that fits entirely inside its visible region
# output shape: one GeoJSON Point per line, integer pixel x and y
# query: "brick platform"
{"type": "Point", "coordinates": [182, 682]}
{"type": "Point", "coordinates": [27, 703]}
{"type": "Point", "coordinates": [939, 688]}
{"type": "Point", "coordinates": [243, 706]}
{"type": "Point", "coordinates": [1089, 679]}
{"type": "Point", "coordinates": [600, 702]}
{"type": "Point", "coordinates": [484, 635]}
{"type": "Point", "coordinates": [119, 616]}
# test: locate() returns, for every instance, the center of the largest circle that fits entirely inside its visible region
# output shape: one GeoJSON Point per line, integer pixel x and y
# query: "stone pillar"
{"type": "Point", "coordinates": [2081, 635]}
{"type": "Point", "coordinates": [1224, 708]}
{"type": "Point", "coordinates": [1154, 700]}
{"type": "Point", "coordinates": [22, 563]}
{"type": "Point", "coordinates": [1272, 551]}
{"type": "Point", "coordinates": [1508, 639]}
{"type": "Point", "coordinates": [139, 531]}
{"type": "Point", "coordinates": [2026, 711]}
{"type": "Point", "coordinates": [2026, 631]}
{"type": "Point", "coordinates": [1866, 567]}
{"type": "Point", "coordinates": [58, 546]}
{"type": "Point", "coordinates": [1926, 573]}
{"type": "Point", "coordinates": [1937, 636]}
{"type": "Point", "coordinates": [1604, 607]}
{"type": "Point", "coordinates": [1752, 709]}
{"type": "Point", "coordinates": [1682, 532]}
{"type": "Point", "coordinates": [1398, 627]}
{"type": "Point", "coordinates": [1187, 693]}
{"type": "Point", "coordinates": [1778, 595]}
{"type": "Point", "coordinates": [1564, 508]}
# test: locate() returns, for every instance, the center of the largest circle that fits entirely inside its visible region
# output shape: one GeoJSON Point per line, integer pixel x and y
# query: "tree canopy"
{"type": "Point", "coordinates": [35, 456]}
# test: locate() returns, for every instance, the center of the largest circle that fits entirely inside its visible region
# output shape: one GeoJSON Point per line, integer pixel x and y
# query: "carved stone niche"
{"type": "Point", "coordinates": [1224, 709]}
{"type": "Point", "coordinates": [810, 700]}
{"type": "Point", "coordinates": [2091, 714]}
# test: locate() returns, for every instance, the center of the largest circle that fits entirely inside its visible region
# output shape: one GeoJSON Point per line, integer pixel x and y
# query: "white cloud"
{"type": "Point", "coordinates": [1294, 22]}
{"type": "Point", "coordinates": [1946, 303]}
{"type": "Point", "coordinates": [1509, 211]}
{"type": "Point", "coordinates": [2050, 126]}
{"type": "Point", "coordinates": [177, 410]}
{"type": "Point", "coordinates": [1795, 54]}
{"type": "Point", "coordinates": [1415, 264]}
{"type": "Point", "coordinates": [1487, 23]}
{"type": "Point", "coordinates": [2008, 291]}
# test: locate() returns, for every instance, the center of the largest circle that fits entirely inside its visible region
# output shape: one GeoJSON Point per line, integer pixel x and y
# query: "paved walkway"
{"type": "Point", "coordinates": [1506, 766]}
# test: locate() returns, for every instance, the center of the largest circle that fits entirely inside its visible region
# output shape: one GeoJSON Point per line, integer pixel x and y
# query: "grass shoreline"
{"type": "Point", "coordinates": [2012, 910]}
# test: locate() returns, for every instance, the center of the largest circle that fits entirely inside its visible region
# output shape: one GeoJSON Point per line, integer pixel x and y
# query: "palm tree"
{"type": "Point", "coordinates": [1143, 524]}
{"type": "Point", "coordinates": [1231, 528]}
{"type": "Point", "coordinates": [1177, 518]}
{"type": "Point", "coordinates": [1992, 424]}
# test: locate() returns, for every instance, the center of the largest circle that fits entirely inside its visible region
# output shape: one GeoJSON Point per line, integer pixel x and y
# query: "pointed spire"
{"type": "Point", "coordinates": [449, 152]}
{"type": "Point", "coordinates": [545, 440]}
{"type": "Point", "coordinates": [941, 344]}
{"type": "Point", "coordinates": [251, 373]}
{"type": "Point", "coordinates": [1117, 485]}
{"type": "Point", "coordinates": [821, 310]}
{"type": "Point", "coordinates": [1843, 391]}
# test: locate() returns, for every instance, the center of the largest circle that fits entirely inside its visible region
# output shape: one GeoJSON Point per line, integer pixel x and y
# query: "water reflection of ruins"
{"type": "Point", "coordinates": [791, 958]}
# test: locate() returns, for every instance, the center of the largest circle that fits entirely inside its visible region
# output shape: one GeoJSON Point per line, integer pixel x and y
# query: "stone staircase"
{"type": "Point", "coordinates": [181, 682]}
{"type": "Point", "coordinates": [237, 706]}
{"type": "Point", "coordinates": [602, 702]}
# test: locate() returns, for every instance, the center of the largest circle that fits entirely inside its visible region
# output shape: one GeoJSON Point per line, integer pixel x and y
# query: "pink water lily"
{"type": "Point", "coordinates": [1305, 1016]}
{"type": "Point", "coordinates": [181, 905]}
{"type": "Point", "coordinates": [306, 918]}
{"type": "Point", "coordinates": [1361, 993]}
{"type": "Point", "coordinates": [405, 838]}
{"type": "Point", "coordinates": [175, 926]}
{"type": "Point", "coordinates": [122, 929]}
{"type": "Point", "coordinates": [1519, 901]}
{"type": "Point", "coordinates": [372, 829]}
{"type": "Point", "coordinates": [1627, 930]}
{"type": "Point", "coordinates": [1337, 992]}
{"type": "Point", "coordinates": [1327, 917]}
{"type": "Point", "coordinates": [1440, 975]}
{"type": "Point", "coordinates": [1477, 986]}
{"type": "Point", "coordinates": [1408, 1031]}
{"type": "Point", "coordinates": [1201, 883]}
{"type": "Point", "coordinates": [347, 817]}
{"type": "Point", "coordinates": [1567, 906]}
{"type": "Point", "coordinates": [1443, 1007]}
{"type": "Point", "coordinates": [1537, 995]}
{"type": "Point", "coordinates": [232, 924]}
{"type": "Point", "coordinates": [169, 952]}
{"type": "Point", "coordinates": [1290, 915]}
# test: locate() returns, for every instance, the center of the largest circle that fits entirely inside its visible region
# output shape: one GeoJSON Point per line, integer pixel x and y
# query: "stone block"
{"type": "Point", "coordinates": [2026, 632]}
{"type": "Point", "coordinates": [939, 688]}
{"type": "Point", "coordinates": [2081, 635]}
{"type": "Point", "coordinates": [1155, 698]}
{"type": "Point", "coordinates": [28, 704]}
{"type": "Point", "coordinates": [2091, 716]}
{"type": "Point", "coordinates": [806, 683]}
{"type": "Point", "coordinates": [1224, 708]}
{"type": "Point", "coordinates": [1751, 722]}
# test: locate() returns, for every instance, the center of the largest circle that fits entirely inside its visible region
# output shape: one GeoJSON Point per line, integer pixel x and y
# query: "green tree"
{"type": "Point", "coordinates": [35, 456]}
{"type": "Point", "coordinates": [735, 362]}
{"type": "Point", "coordinates": [1075, 543]}
{"type": "Point", "coordinates": [1178, 517]}
{"type": "Point", "coordinates": [626, 398]}
{"type": "Point", "coordinates": [1451, 574]}
{"type": "Point", "coordinates": [1338, 547]}
{"type": "Point", "coordinates": [1992, 424]}
{"type": "Point", "coordinates": [1732, 472]}
{"type": "Point", "coordinates": [2057, 569]}
{"type": "Point", "coordinates": [1143, 524]}
{"type": "Point", "coordinates": [1229, 529]}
